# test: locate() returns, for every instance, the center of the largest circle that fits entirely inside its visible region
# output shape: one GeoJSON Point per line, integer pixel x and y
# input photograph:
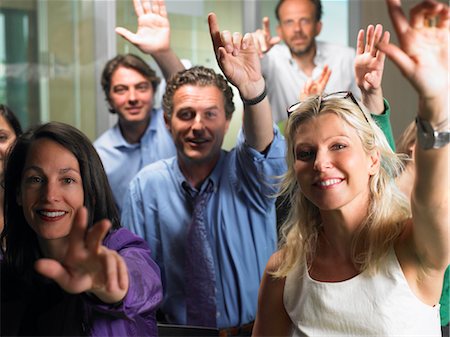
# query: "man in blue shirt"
{"type": "Point", "coordinates": [140, 136]}
{"type": "Point", "coordinates": [240, 214]}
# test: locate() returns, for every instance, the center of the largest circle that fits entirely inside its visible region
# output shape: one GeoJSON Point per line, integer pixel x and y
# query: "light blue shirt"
{"type": "Point", "coordinates": [240, 218]}
{"type": "Point", "coordinates": [122, 160]}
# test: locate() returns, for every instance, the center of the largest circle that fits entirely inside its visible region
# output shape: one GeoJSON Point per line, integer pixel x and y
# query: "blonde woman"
{"type": "Point", "coordinates": [356, 259]}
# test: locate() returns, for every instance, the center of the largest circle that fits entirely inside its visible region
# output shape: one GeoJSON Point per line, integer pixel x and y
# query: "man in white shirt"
{"type": "Point", "coordinates": [288, 66]}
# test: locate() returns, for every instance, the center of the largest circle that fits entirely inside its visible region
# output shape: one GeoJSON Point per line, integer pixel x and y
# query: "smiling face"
{"type": "Point", "coordinates": [51, 189]}
{"type": "Point", "coordinates": [198, 124]}
{"type": "Point", "coordinates": [298, 26]}
{"type": "Point", "coordinates": [7, 137]}
{"type": "Point", "coordinates": [131, 95]}
{"type": "Point", "coordinates": [331, 166]}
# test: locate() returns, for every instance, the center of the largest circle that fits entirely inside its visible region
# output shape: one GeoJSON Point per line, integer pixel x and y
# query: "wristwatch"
{"type": "Point", "coordinates": [429, 138]}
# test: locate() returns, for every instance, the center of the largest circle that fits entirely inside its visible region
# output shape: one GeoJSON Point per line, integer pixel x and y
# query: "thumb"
{"type": "Point", "coordinates": [275, 40]}
{"type": "Point", "coordinates": [52, 269]}
{"type": "Point", "coordinates": [399, 57]}
{"type": "Point", "coordinates": [126, 34]}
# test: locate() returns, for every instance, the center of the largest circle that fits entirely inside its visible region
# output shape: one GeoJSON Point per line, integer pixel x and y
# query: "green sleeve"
{"type": "Point", "coordinates": [384, 122]}
{"type": "Point", "coordinates": [444, 301]}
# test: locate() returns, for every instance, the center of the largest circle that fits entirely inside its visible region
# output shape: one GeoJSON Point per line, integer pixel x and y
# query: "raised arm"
{"type": "Point", "coordinates": [263, 39]}
{"type": "Point", "coordinates": [238, 59]}
{"type": "Point", "coordinates": [423, 59]}
{"type": "Point", "coordinates": [153, 35]}
{"type": "Point", "coordinates": [369, 67]}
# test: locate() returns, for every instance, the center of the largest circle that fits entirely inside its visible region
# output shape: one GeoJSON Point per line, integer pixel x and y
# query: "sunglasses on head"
{"type": "Point", "coordinates": [338, 95]}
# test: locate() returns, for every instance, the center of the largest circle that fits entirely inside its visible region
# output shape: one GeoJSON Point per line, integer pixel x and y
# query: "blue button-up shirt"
{"type": "Point", "coordinates": [122, 160]}
{"type": "Point", "coordinates": [240, 218]}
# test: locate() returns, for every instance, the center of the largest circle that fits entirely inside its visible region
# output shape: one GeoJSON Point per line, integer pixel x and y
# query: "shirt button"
{"type": "Point", "coordinates": [217, 314]}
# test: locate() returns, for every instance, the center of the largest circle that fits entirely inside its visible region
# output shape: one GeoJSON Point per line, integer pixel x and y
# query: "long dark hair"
{"type": "Point", "coordinates": [20, 240]}
{"type": "Point", "coordinates": [11, 119]}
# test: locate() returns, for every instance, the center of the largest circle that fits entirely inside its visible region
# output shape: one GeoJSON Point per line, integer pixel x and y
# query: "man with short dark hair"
{"type": "Point", "coordinates": [140, 136]}
{"type": "Point", "coordinates": [227, 194]}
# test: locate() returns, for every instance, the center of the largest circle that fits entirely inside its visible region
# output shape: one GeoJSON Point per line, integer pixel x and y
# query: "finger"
{"type": "Point", "coordinates": [147, 6]}
{"type": "Point", "coordinates": [126, 34]}
{"type": "Point", "coordinates": [360, 42]}
{"type": "Point", "coordinates": [248, 42]}
{"type": "Point", "coordinates": [227, 41]}
{"type": "Point", "coordinates": [109, 265]}
{"type": "Point", "coordinates": [96, 235]}
{"type": "Point", "coordinates": [381, 57]}
{"type": "Point", "coordinates": [53, 270]}
{"type": "Point", "coordinates": [214, 32]}
{"type": "Point", "coordinates": [444, 18]}
{"type": "Point", "coordinates": [398, 18]}
{"type": "Point", "coordinates": [257, 45]}
{"type": "Point", "coordinates": [274, 40]}
{"type": "Point", "coordinates": [326, 77]}
{"type": "Point", "coordinates": [378, 32]}
{"type": "Point", "coordinates": [423, 12]}
{"type": "Point", "coordinates": [162, 8]}
{"type": "Point", "coordinates": [138, 8]}
{"type": "Point", "coordinates": [266, 27]}
{"type": "Point", "coordinates": [369, 39]}
{"type": "Point", "coordinates": [402, 60]}
{"type": "Point", "coordinates": [122, 271]}
{"type": "Point", "coordinates": [237, 40]}
{"type": "Point", "coordinates": [78, 231]}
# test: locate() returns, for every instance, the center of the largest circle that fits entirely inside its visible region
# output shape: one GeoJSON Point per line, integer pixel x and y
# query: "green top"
{"type": "Point", "coordinates": [383, 121]}
{"type": "Point", "coordinates": [444, 301]}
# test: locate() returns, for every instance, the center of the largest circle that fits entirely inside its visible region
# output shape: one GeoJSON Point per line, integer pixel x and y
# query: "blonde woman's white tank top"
{"type": "Point", "coordinates": [377, 305]}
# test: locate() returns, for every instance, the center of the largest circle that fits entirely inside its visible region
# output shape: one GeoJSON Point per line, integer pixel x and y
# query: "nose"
{"type": "Point", "coordinates": [198, 124]}
{"type": "Point", "coordinates": [322, 161]}
{"type": "Point", "coordinates": [132, 96]}
{"type": "Point", "coordinates": [51, 192]}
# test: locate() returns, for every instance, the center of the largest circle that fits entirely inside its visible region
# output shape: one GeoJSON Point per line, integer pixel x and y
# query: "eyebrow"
{"type": "Point", "coordinates": [60, 171]}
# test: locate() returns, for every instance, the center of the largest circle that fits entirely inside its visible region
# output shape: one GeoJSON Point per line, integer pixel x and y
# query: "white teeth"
{"type": "Point", "coordinates": [51, 214]}
{"type": "Point", "coordinates": [329, 182]}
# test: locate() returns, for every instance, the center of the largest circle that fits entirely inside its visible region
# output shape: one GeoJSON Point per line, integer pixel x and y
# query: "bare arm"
{"type": "Point", "coordinates": [369, 67]}
{"type": "Point", "coordinates": [239, 61]}
{"type": "Point", "coordinates": [423, 59]}
{"type": "Point", "coordinates": [271, 317]}
{"type": "Point", "coordinates": [153, 35]}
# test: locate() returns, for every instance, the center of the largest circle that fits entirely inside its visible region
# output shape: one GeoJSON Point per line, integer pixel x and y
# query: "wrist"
{"type": "Point", "coordinates": [253, 93]}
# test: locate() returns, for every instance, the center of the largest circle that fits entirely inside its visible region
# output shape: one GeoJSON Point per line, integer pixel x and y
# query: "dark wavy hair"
{"type": "Point", "coordinates": [316, 3]}
{"type": "Point", "coordinates": [130, 61]}
{"type": "Point", "coordinates": [11, 119]}
{"type": "Point", "coordinates": [20, 240]}
{"type": "Point", "coordinates": [198, 76]}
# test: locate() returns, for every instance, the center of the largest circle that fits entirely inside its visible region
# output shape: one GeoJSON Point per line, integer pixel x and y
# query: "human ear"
{"type": "Point", "coordinates": [374, 162]}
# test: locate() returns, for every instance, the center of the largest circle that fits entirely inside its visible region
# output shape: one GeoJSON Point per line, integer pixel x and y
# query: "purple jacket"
{"type": "Point", "coordinates": [42, 307]}
{"type": "Point", "coordinates": [136, 315]}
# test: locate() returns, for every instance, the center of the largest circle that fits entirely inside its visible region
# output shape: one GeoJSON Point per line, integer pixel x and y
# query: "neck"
{"type": "Point", "coordinates": [196, 173]}
{"type": "Point", "coordinates": [305, 60]}
{"type": "Point", "coordinates": [133, 131]}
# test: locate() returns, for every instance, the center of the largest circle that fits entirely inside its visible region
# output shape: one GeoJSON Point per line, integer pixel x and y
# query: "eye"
{"type": "Point", "coordinates": [68, 180]}
{"type": "Point", "coordinates": [210, 114]}
{"type": "Point", "coordinates": [185, 115]}
{"type": "Point", "coordinates": [304, 155]}
{"type": "Point", "coordinates": [33, 180]}
{"type": "Point", "coordinates": [3, 138]}
{"type": "Point", "coordinates": [338, 146]}
{"type": "Point", "coordinates": [143, 87]}
{"type": "Point", "coordinates": [120, 90]}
